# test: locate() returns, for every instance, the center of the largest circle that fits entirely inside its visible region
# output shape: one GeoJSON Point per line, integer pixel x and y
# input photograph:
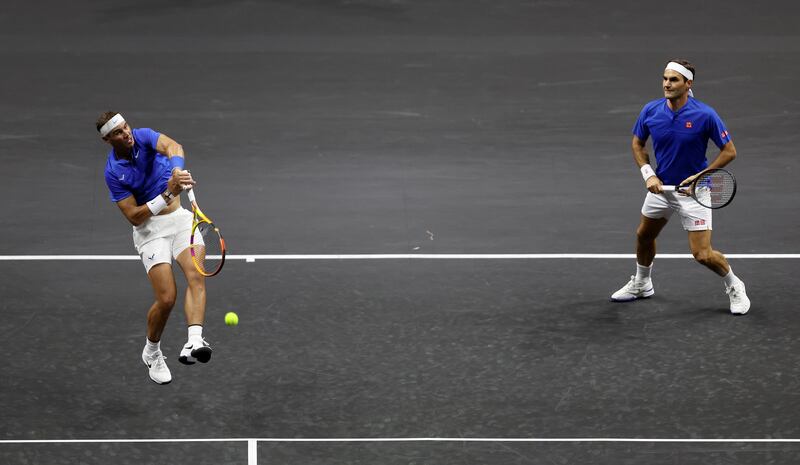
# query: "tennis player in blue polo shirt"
{"type": "Point", "coordinates": [680, 127]}
{"type": "Point", "coordinates": [145, 177]}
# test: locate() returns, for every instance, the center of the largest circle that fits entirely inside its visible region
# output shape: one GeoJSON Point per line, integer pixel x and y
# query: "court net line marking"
{"type": "Point", "coordinates": [532, 256]}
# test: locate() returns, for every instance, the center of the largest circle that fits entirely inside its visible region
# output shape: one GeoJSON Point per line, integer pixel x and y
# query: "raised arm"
{"type": "Point", "coordinates": [174, 151]}
{"type": "Point", "coordinates": [171, 149]}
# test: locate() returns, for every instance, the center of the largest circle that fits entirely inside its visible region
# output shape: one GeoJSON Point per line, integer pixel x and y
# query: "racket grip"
{"type": "Point", "coordinates": [669, 188]}
{"type": "Point", "coordinates": [190, 194]}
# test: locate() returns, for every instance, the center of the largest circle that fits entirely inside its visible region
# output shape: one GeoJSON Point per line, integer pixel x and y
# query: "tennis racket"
{"type": "Point", "coordinates": [206, 243]}
{"type": "Point", "coordinates": [714, 188]}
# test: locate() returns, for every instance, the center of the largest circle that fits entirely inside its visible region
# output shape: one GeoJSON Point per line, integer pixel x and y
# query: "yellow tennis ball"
{"type": "Point", "coordinates": [231, 319]}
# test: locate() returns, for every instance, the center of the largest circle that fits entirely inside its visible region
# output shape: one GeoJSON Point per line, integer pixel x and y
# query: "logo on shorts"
{"type": "Point", "coordinates": [152, 256]}
{"type": "Point", "coordinates": [699, 222]}
{"type": "Point", "coordinates": [688, 125]}
{"type": "Point", "coordinates": [122, 178]}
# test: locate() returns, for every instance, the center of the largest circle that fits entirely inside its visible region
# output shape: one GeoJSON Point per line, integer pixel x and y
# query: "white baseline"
{"type": "Point", "coordinates": [252, 443]}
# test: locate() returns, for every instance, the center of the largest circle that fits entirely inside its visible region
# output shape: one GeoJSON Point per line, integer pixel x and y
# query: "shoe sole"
{"type": "Point", "coordinates": [645, 296]}
{"type": "Point", "coordinates": [202, 355]}
{"type": "Point", "coordinates": [740, 313]}
{"type": "Point", "coordinates": [160, 383]}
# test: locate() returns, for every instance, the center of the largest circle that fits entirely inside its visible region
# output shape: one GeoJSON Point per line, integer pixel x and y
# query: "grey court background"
{"type": "Point", "coordinates": [349, 127]}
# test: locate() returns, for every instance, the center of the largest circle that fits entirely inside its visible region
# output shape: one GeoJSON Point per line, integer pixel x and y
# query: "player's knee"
{"type": "Point", "coordinates": [704, 257]}
{"type": "Point", "coordinates": [166, 300]}
{"type": "Point", "coordinates": [194, 279]}
{"type": "Point", "coordinates": [643, 236]}
{"type": "Point", "coordinates": [197, 284]}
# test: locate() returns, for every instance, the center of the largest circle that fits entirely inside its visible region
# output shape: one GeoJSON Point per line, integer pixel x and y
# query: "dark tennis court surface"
{"type": "Point", "coordinates": [405, 128]}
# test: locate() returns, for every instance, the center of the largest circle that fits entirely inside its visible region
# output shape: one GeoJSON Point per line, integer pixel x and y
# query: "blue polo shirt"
{"type": "Point", "coordinates": [144, 176]}
{"type": "Point", "coordinates": [680, 138]}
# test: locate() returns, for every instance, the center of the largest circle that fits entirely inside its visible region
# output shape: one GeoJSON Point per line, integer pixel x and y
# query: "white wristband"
{"type": "Point", "coordinates": [156, 204]}
{"type": "Point", "coordinates": [647, 172]}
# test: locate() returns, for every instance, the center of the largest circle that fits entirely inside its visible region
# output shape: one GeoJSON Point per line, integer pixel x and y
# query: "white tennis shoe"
{"type": "Point", "coordinates": [740, 304]}
{"type": "Point", "coordinates": [195, 350]}
{"type": "Point", "coordinates": [157, 367]}
{"type": "Point", "coordinates": [635, 289]}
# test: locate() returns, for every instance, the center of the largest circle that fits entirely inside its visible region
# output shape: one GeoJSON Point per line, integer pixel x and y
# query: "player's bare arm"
{"type": "Point", "coordinates": [169, 146]}
{"type": "Point", "coordinates": [642, 158]}
{"type": "Point", "coordinates": [172, 148]}
{"type": "Point", "coordinates": [726, 155]}
{"type": "Point", "coordinates": [138, 214]}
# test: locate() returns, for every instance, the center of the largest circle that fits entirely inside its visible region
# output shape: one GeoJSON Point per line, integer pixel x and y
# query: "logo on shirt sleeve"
{"type": "Point", "coordinates": [723, 134]}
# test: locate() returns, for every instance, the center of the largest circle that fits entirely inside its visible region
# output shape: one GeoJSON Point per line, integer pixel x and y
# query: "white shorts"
{"type": "Point", "coordinates": [163, 237]}
{"type": "Point", "coordinates": [694, 216]}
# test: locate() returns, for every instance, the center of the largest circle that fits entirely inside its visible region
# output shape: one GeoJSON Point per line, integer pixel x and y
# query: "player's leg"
{"type": "Point", "coordinates": [640, 285]}
{"type": "Point", "coordinates": [646, 234]}
{"type": "Point", "coordinates": [195, 307]}
{"type": "Point", "coordinates": [655, 214]}
{"type": "Point", "coordinates": [163, 282]}
{"type": "Point", "coordinates": [165, 291]}
{"type": "Point", "coordinates": [704, 253]}
{"type": "Point", "coordinates": [700, 245]}
{"type": "Point", "coordinates": [196, 348]}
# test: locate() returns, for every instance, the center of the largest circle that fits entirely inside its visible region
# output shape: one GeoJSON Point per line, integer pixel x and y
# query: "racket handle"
{"type": "Point", "coordinates": [190, 194]}
{"type": "Point", "coordinates": [669, 188]}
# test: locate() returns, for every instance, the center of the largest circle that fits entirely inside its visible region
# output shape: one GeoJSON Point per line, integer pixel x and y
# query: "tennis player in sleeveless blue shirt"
{"type": "Point", "coordinates": [680, 127]}
{"type": "Point", "coordinates": [145, 177]}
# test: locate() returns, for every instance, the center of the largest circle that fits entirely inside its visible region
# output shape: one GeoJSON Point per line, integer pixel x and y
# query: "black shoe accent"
{"type": "Point", "coordinates": [202, 354]}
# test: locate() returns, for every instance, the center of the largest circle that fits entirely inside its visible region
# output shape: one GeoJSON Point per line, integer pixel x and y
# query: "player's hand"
{"type": "Point", "coordinates": [654, 185]}
{"type": "Point", "coordinates": [180, 181]}
{"type": "Point", "coordinates": [686, 185]}
{"type": "Point", "coordinates": [690, 179]}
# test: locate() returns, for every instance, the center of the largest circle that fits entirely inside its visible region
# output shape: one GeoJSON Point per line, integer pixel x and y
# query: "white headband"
{"type": "Point", "coordinates": [111, 124]}
{"type": "Point", "coordinates": [681, 69]}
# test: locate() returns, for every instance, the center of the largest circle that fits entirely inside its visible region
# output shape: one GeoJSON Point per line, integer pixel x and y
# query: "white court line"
{"type": "Point", "coordinates": [252, 452]}
{"type": "Point", "coordinates": [531, 256]}
{"type": "Point", "coordinates": [251, 441]}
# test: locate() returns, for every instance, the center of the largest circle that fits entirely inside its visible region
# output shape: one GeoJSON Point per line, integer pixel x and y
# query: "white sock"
{"type": "Point", "coordinates": [195, 332]}
{"type": "Point", "coordinates": [152, 347]}
{"type": "Point", "coordinates": [730, 278]}
{"type": "Point", "coordinates": [643, 272]}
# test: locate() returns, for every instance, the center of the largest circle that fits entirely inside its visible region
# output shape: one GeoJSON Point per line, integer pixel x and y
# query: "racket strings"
{"type": "Point", "coordinates": [716, 189]}
{"type": "Point", "coordinates": [206, 248]}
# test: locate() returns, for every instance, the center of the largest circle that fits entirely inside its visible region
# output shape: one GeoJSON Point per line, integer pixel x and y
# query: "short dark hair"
{"type": "Point", "coordinates": [686, 65]}
{"type": "Point", "coordinates": [103, 119]}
